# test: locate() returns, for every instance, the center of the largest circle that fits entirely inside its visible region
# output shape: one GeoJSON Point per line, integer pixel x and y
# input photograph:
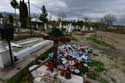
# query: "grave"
{"type": "Point", "coordinates": [25, 51]}
{"type": "Point", "coordinates": [71, 65]}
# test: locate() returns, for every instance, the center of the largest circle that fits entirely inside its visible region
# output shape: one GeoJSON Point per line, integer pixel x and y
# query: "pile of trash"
{"type": "Point", "coordinates": [80, 52]}
{"type": "Point", "coordinates": [74, 58]}
{"type": "Point", "coordinates": [67, 63]}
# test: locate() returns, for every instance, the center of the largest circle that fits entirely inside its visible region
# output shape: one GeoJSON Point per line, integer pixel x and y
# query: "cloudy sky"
{"type": "Point", "coordinates": [74, 8]}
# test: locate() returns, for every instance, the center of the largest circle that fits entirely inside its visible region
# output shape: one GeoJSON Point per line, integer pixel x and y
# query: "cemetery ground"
{"type": "Point", "coordinates": [108, 65]}
{"type": "Point", "coordinates": [108, 59]}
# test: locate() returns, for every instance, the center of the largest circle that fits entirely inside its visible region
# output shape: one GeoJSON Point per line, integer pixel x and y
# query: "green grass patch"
{"type": "Point", "coordinates": [93, 75]}
{"type": "Point", "coordinates": [22, 77]}
{"type": "Point", "coordinates": [98, 66]}
{"type": "Point", "coordinates": [94, 54]}
{"type": "Point", "coordinates": [45, 55]}
{"type": "Point", "coordinates": [74, 38]}
{"type": "Point", "coordinates": [99, 43]}
{"type": "Point", "coordinates": [104, 81]}
{"type": "Point", "coordinates": [118, 30]}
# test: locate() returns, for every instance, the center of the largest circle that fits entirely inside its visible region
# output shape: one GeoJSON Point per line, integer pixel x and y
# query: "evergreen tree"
{"type": "Point", "coordinates": [1, 16]}
{"type": "Point", "coordinates": [43, 16]}
{"type": "Point", "coordinates": [55, 32]}
{"type": "Point", "coordinates": [15, 5]}
{"type": "Point", "coordinates": [11, 19]}
{"type": "Point", "coordinates": [23, 14]}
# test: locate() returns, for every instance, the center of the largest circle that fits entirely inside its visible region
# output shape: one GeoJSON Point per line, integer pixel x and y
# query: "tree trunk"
{"type": "Point", "coordinates": [15, 22]}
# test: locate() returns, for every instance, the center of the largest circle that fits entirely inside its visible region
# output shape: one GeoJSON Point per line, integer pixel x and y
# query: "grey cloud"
{"type": "Point", "coordinates": [75, 8]}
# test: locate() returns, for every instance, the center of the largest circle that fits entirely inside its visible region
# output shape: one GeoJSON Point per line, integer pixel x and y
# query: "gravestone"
{"type": "Point", "coordinates": [7, 34]}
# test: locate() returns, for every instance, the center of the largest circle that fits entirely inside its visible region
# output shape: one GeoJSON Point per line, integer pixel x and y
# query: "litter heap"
{"type": "Point", "coordinates": [67, 65]}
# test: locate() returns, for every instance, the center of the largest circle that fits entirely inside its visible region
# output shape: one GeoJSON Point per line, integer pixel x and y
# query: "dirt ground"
{"type": "Point", "coordinates": [114, 39]}
{"type": "Point", "coordinates": [113, 59]}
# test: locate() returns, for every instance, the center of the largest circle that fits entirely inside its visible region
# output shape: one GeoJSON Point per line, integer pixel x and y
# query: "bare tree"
{"type": "Point", "coordinates": [102, 24]}
{"type": "Point", "coordinates": [62, 15]}
{"type": "Point", "coordinates": [86, 20]}
{"type": "Point", "coordinates": [109, 19]}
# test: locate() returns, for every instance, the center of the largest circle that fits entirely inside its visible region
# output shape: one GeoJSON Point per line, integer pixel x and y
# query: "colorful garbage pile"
{"type": "Point", "coordinates": [72, 59]}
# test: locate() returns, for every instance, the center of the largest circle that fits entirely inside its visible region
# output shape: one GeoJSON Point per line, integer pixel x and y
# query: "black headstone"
{"type": "Point", "coordinates": [7, 31]}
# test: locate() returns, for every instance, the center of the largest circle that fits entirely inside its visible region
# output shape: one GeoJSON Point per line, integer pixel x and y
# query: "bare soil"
{"type": "Point", "coordinates": [113, 59]}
